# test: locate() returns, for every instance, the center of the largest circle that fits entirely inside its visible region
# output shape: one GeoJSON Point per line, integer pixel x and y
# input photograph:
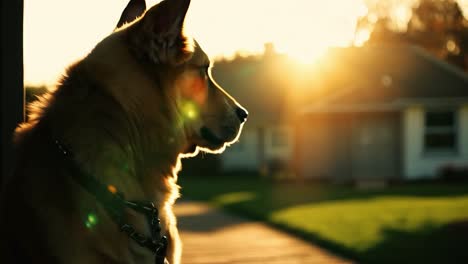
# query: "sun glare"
{"type": "Point", "coordinates": [56, 32]}
{"type": "Point", "coordinates": [304, 30]}
{"type": "Point", "coordinates": [361, 37]}
{"type": "Point", "coordinates": [401, 14]}
{"type": "Point", "coordinates": [304, 54]}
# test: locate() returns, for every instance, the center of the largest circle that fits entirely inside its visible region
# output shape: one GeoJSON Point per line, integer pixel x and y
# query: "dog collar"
{"type": "Point", "coordinates": [115, 204]}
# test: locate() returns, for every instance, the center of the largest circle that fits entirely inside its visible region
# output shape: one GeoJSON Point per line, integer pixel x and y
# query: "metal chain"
{"type": "Point", "coordinates": [157, 243]}
{"type": "Point", "coordinates": [114, 204]}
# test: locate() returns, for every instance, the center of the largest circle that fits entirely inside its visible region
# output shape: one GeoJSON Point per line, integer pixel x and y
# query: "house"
{"type": "Point", "coordinates": [379, 112]}
{"type": "Point", "coordinates": [258, 83]}
{"type": "Point", "coordinates": [398, 113]}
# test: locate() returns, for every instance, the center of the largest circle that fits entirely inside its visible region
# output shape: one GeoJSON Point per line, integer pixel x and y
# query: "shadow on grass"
{"type": "Point", "coordinates": [428, 245]}
{"type": "Point", "coordinates": [444, 244]}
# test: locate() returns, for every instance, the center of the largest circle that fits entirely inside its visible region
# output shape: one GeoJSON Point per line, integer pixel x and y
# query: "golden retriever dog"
{"type": "Point", "coordinates": [107, 143]}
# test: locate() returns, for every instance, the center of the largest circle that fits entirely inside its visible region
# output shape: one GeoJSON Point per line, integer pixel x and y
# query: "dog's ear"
{"type": "Point", "coordinates": [134, 9]}
{"type": "Point", "coordinates": [167, 17]}
{"type": "Point", "coordinates": [159, 35]}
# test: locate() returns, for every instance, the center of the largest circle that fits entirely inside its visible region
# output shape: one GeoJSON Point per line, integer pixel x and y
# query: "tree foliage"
{"type": "Point", "coordinates": [436, 25]}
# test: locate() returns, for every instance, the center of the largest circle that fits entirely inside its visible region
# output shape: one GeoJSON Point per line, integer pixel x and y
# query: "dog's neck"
{"type": "Point", "coordinates": [116, 146]}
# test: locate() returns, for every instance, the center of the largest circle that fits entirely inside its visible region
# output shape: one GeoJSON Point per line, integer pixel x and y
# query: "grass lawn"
{"type": "Point", "coordinates": [402, 224]}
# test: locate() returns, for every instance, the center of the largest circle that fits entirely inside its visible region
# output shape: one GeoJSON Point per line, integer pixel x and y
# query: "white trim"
{"type": "Point", "coordinates": [419, 164]}
{"type": "Point", "coordinates": [441, 130]}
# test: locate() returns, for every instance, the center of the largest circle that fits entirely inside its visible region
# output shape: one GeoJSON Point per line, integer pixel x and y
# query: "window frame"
{"type": "Point", "coordinates": [453, 129]}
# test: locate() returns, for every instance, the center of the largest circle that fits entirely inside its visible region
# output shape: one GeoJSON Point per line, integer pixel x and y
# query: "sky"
{"type": "Point", "coordinates": [59, 32]}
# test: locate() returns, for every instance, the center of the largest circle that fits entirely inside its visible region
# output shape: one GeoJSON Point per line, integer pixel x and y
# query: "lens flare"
{"type": "Point", "coordinates": [190, 110]}
{"type": "Point", "coordinates": [91, 221]}
{"type": "Point", "coordinates": [112, 188]}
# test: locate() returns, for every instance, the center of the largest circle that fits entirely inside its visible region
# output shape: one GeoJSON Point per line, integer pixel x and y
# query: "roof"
{"type": "Point", "coordinates": [389, 77]}
{"type": "Point", "coordinates": [371, 78]}
{"type": "Point", "coordinates": [258, 85]}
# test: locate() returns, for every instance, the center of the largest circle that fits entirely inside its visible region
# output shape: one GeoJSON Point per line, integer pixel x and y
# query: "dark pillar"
{"type": "Point", "coordinates": [12, 93]}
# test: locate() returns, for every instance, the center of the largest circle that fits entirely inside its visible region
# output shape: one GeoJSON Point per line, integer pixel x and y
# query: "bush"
{"type": "Point", "coordinates": [453, 173]}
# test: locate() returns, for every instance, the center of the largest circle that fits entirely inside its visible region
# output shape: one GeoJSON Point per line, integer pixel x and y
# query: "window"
{"type": "Point", "coordinates": [440, 131]}
{"type": "Point", "coordinates": [279, 138]}
{"type": "Point", "coordinates": [239, 146]}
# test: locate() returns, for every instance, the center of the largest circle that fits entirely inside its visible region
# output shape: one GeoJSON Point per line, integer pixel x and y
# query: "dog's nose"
{"type": "Point", "coordinates": [241, 114]}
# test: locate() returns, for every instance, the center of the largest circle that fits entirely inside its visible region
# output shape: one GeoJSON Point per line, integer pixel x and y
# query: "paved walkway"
{"type": "Point", "coordinates": [213, 237]}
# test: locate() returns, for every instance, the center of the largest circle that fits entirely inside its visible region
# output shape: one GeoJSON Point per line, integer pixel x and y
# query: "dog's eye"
{"type": "Point", "coordinates": [203, 71]}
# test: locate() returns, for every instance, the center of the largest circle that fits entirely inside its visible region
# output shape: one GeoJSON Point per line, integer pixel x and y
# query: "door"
{"type": "Point", "coordinates": [376, 146]}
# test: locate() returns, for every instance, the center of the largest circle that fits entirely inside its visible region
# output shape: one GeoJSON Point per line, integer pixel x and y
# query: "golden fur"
{"type": "Point", "coordinates": [129, 111]}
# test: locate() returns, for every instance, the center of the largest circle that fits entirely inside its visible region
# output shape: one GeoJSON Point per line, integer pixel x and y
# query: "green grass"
{"type": "Point", "coordinates": [403, 224]}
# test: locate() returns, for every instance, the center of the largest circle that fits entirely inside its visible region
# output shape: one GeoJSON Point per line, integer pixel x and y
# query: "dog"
{"type": "Point", "coordinates": [120, 119]}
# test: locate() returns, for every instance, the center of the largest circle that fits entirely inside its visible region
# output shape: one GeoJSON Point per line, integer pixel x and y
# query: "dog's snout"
{"type": "Point", "coordinates": [241, 114]}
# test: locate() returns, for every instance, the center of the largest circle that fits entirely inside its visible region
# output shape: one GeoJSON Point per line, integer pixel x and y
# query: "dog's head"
{"type": "Point", "coordinates": [209, 117]}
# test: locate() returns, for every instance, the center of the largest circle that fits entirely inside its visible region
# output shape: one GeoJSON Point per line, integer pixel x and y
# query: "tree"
{"type": "Point", "coordinates": [436, 25]}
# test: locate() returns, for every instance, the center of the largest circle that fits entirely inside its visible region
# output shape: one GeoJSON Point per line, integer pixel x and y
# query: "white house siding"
{"type": "Point", "coordinates": [275, 151]}
{"type": "Point", "coordinates": [243, 155]}
{"type": "Point", "coordinates": [418, 164]}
